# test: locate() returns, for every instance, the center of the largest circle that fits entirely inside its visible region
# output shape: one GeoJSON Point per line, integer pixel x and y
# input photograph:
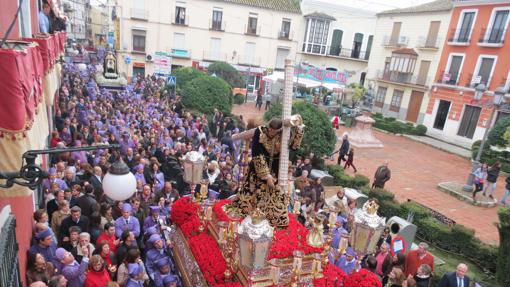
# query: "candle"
{"type": "Point", "coordinates": [208, 213]}
{"type": "Point", "coordinates": [297, 207]}
{"type": "Point", "coordinates": [275, 274]}
{"type": "Point", "coordinates": [332, 219]}
{"type": "Point", "coordinates": [342, 246]}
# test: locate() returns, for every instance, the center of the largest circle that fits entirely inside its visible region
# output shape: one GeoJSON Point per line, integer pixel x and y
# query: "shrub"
{"type": "Point", "coordinates": [419, 211]}
{"type": "Point", "coordinates": [185, 75]}
{"type": "Point", "coordinates": [360, 180]}
{"type": "Point", "coordinates": [228, 73]}
{"type": "Point", "coordinates": [319, 136]}
{"type": "Point", "coordinates": [204, 94]}
{"type": "Point", "coordinates": [421, 130]}
{"type": "Point", "coordinates": [503, 265]}
{"type": "Point", "coordinates": [495, 137]}
{"type": "Point", "coordinates": [238, 99]}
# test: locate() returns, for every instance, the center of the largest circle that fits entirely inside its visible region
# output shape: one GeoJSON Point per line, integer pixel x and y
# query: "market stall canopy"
{"type": "Point", "coordinates": [307, 83]}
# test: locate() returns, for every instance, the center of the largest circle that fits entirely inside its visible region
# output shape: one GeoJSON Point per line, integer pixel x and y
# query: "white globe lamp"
{"type": "Point", "coordinates": [119, 183]}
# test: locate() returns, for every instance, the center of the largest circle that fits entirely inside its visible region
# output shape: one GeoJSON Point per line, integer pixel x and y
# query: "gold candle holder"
{"type": "Point", "coordinates": [297, 207]}
{"type": "Point", "coordinates": [343, 244]}
{"type": "Point", "coordinates": [275, 270]}
{"type": "Point", "coordinates": [316, 265]}
{"type": "Point", "coordinates": [296, 268]}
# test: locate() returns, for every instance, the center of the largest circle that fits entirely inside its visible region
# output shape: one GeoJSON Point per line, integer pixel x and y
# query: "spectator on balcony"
{"type": "Point", "coordinates": [44, 20]}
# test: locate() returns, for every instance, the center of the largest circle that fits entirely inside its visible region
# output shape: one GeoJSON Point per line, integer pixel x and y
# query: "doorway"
{"type": "Point", "coordinates": [469, 121]}
{"type": "Point", "coordinates": [138, 70]}
{"type": "Point", "coordinates": [442, 114]}
{"type": "Point", "coordinates": [413, 110]}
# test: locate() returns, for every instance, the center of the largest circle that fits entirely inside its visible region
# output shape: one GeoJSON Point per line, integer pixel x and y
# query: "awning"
{"type": "Point", "coordinates": [307, 83]}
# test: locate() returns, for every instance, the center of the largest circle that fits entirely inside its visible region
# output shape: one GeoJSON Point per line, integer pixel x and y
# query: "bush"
{"type": "Point", "coordinates": [228, 73]}
{"type": "Point", "coordinates": [185, 75]}
{"type": "Point", "coordinates": [495, 137]}
{"type": "Point", "coordinates": [238, 99]}
{"type": "Point", "coordinates": [204, 94]}
{"type": "Point", "coordinates": [319, 136]}
{"type": "Point", "coordinates": [421, 130]}
{"type": "Point", "coordinates": [419, 211]}
{"type": "Point", "coordinates": [503, 265]}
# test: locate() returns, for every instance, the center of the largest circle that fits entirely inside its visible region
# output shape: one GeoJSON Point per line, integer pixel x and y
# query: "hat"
{"type": "Point", "coordinates": [140, 166]}
{"type": "Point", "coordinates": [52, 170]}
{"type": "Point", "coordinates": [134, 269]}
{"type": "Point", "coordinates": [154, 238]}
{"type": "Point", "coordinates": [126, 207]}
{"type": "Point", "coordinates": [155, 209]}
{"type": "Point", "coordinates": [162, 262]}
{"type": "Point", "coordinates": [60, 253]}
{"type": "Point", "coordinates": [213, 194]}
{"type": "Point", "coordinates": [350, 252]}
{"type": "Point", "coordinates": [169, 279]}
{"type": "Point", "coordinates": [152, 230]}
{"type": "Point", "coordinates": [43, 234]}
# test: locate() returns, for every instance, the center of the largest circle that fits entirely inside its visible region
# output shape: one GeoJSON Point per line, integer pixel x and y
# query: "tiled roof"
{"type": "Point", "coordinates": [434, 6]}
{"type": "Point", "coordinates": [279, 5]}
{"type": "Point", "coordinates": [320, 15]}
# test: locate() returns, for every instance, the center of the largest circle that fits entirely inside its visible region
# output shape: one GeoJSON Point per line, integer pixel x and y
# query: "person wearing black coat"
{"type": "Point", "coordinates": [76, 219]}
{"type": "Point", "coordinates": [344, 149]}
{"type": "Point", "coordinates": [456, 279]}
{"type": "Point", "coordinates": [492, 178]}
{"type": "Point", "coordinates": [87, 202]}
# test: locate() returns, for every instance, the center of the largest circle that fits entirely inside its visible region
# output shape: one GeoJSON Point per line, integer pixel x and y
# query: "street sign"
{"type": "Point", "coordinates": [162, 64]}
{"type": "Point", "coordinates": [171, 80]}
{"type": "Point", "coordinates": [127, 59]}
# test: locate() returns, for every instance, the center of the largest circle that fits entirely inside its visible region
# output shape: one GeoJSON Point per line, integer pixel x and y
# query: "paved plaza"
{"type": "Point", "coordinates": [416, 170]}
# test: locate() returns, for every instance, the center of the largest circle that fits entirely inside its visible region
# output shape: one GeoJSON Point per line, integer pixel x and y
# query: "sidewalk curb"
{"type": "Point", "coordinates": [464, 196]}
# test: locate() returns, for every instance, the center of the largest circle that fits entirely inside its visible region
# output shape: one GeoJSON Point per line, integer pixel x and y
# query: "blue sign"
{"type": "Point", "coordinates": [180, 53]}
{"type": "Point", "coordinates": [110, 38]}
{"type": "Point", "coordinates": [171, 80]}
{"type": "Point", "coordinates": [127, 59]}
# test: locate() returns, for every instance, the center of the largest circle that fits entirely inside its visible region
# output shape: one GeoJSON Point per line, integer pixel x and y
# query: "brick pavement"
{"type": "Point", "coordinates": [416, 170]}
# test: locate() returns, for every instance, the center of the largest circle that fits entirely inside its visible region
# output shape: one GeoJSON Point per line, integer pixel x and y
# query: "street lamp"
{"type": "Point", "coordinates": [498, 99]}
{"type": "Point", "coordinates": [118, 184]}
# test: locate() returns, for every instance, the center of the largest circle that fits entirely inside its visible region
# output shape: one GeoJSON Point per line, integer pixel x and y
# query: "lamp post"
{"type": "Point", "coordinates": [498, 99]}
{"type": "Point", "coordinates": [118, 184]}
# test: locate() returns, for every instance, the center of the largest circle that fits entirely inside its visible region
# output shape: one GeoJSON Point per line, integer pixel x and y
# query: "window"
{"type": "Point", "coordinates": [452, 75]}
{"type": "Point", "coordinates": [216, 20]}
{"type": "Point", "coordinates": [249, 53]}
{"type": "Point", "coordinates": [356, 45]}
{"type": "Point", "coordinates": [499, 21]}
{"type": "Point", "coordinates": [395, 33]}
{"type": "Point", "coordinates": [285, 32]}
{"type": "Point", "coordinates": [139, 41]}
{"type": "Point", "coordinates": [252, 24]}
{"type": "Point", "coordinates": [179, 41]}
{"type": "Point", "coordinates": [483, 71]}
{"type": "Point", "coordinates": [336, 42]}
{"type": "Point", "coordinates": [442, 114]}
{"type": "Point", "coordinates": [180, 15]}
{"type": "Point", "coordinates": [281, 55]}
{"type": "Point", "coordinates": [215, 49]}
{"type": "Point", "coordinates": [431, 41]}
{"type": "Point", "coordinates": [369, 47]}
{"type": "Point", "coordinates": [465, 26]}
{"type": "Point", "coordinates": [316, 36]}
{"type": "Point", "coordinates": [469, 121]}
{"type": "Point", "coordinates": [380, 96]}
{"type": "Point", "coordinates": [396, 100]}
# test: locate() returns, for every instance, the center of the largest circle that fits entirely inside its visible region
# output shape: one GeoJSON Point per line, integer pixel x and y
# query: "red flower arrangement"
{"type": "Point", "coordinates": [190, 228]}
{"type": "Point", "coordinates": [221, 215]}
{"type": "Point", "coordinates": [362, 278]}
{"type": "Point", "coordinates": [209, 258]}
{"type": "Point", "coordinates": [333, 276]}
{"type": "Point", "coordinates": [285, 241]}
{"type": "Point", "coordinates": [182, 210]}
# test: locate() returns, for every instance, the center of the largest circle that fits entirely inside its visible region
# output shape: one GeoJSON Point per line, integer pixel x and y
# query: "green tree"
{"type": "Point", "coordinates": [359, 92]}
{"type": "Point", "coordinates": [506, 136]}
{"type": "Point", "coordinates": [185, 75]}
{"type": "Point", "coordinates": [503, 266]}
{"type": "Point", "coordinates": [204, 94]}
{"type": "Point", "coordinates": [228, 73]}
{"type": "Point", "coordinates": [319, 136]}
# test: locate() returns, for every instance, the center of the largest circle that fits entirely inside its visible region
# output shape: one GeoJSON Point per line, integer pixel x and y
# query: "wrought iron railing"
{"type": "Point", "coordinates": [9, 260]}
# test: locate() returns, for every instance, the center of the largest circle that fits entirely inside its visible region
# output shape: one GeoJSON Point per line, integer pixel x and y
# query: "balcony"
{"type": "Point", "coordinates": [459, 37]}
{"type": "Point", "coordinates": [451, 79]}
{"type": "Point", "coordinates": [473, 81]}
{"type": "Point", "coordinates": [252, 31]}
{"type": "Point", "coordinates": [214, 56]}
{"type": "Point", "coordinates": [248, 60]}
{"type": "Point", "coordinates": [139, 14]}
{"type": "Point", "coordinates": [285, 35]}
{"type": "Point", "coordinates": [180, 53]}
{"type": "Point", "coordinates": [401, 78]}
{"type": "Point", "coordinates": [425, 43]}
{"type": "Point", "coordinates": [217, 25]}
{"type": "Point", "coordinates": [400, 41]}
{"type": "Point", "coordinates": [347, 53]}
{"type": "Point", "coordinates": [493, 38]}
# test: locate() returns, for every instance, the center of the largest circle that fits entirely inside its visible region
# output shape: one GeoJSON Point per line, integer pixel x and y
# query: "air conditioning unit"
{"type": "Point", "coordinates": [149, 58]}
{"type": "Point", "coordinates": [403, 40]}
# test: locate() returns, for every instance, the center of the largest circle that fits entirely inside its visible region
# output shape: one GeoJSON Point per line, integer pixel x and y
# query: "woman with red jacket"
{"type": "Point", "coordinates": [97, 275]}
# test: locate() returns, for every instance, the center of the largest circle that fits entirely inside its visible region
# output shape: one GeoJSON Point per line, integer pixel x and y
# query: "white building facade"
{"type": "Point", "coordinates": [79, 20]}
{"type": "Point", "coordinates": [337, 38]}
{"type": "Point", "coordinates": [407, 48]}
{"type": "Point", "coordinates": [253, 38]}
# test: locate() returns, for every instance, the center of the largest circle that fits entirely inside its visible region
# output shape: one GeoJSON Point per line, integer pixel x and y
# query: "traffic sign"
{"type": "Point", "coordinates": [171, 80]}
